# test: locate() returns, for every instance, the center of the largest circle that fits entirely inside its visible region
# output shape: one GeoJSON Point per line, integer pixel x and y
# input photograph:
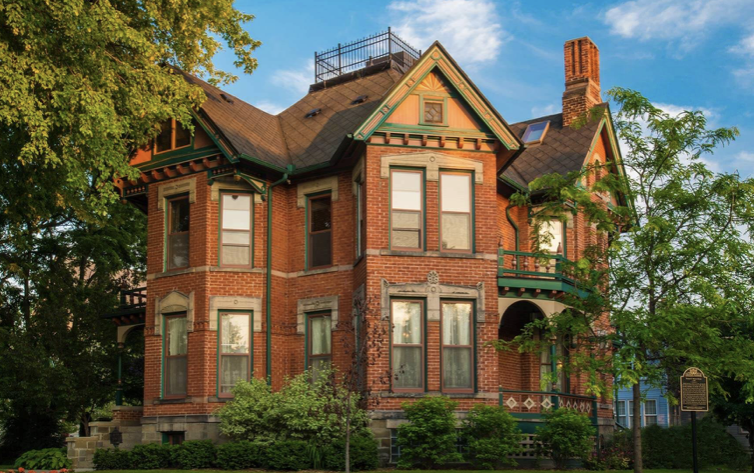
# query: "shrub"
{"type": "Point", "coordinates": [240, 455]}
{"type": "Point", "coordinates": [616, 454]}
{"type": "Point", "coordinates": [194, 454]}
{"type": "Point", "coordinates": [363, 454]}
{"type": "Point", "coordinates": [114, 459]}
{"type": "Point", "coordinates": [152, 456]}
{"type": "Point", "coordinates": [429, 438]}
{"type": "Point", "coordinates": [566, 434]}
{"type": "Point", "coordinates": [492, 435]}
{"type": "Point", "coordinates": [45, 459]}
{"type": "Point", "coordinates": [287, 455]}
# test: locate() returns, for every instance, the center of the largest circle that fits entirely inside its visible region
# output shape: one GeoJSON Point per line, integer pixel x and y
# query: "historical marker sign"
{"type": "Point", "coordinates": [694, 395]}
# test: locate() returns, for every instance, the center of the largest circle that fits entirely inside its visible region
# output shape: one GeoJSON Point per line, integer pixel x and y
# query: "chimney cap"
{"type": "Point", "coordinates": [583, 37]}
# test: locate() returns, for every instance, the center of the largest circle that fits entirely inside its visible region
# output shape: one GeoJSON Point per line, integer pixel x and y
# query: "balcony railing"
{"type": "Point", "coordinates": [132, 308]}
{"type": "Point", "coordinates": [535, 271]}
{"type": "Point", "coordinates": [526, 403]}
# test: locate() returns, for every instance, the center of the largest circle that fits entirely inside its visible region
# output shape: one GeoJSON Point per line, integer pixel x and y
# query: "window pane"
{"type": "Point", "coordinates": [237, 212]}
{"type": "Point", "coordinates": [406, 220]}
{"type": "Point", "coordinates": [455, 231]}
{"type": "Point", "coordinates": [406, 190]}
{"type": "Point", "coordinates": [163, 139]}
{"type": "Point", "coordinates": [407, 367]}
{"type": "Point", "coordinates": [456, 365]}
{"type": "Point", "coordinates": [321, 249]}
{"type": "Point", "coordinates": [236, 238]}
{"type": "Point", "coordinates": [320, 214]}
{"type": "Point", "coordinates": [407, 322]}
{"type": "Point", "coordinates": [233, 369]}
{"type": "Point", "coordinates": [456, 192]}
{"type": "Point", "coordinates": [236, 255]}
{"type": "Point", "coordinates": [234, 333]}
{"type": "Point", "coordinates": [650, 407]}
{"type": "Point", "coordinates": [320, 335]}
{"type": "Point", "coordinates": [179, 215]}
{"type": "Point", "coordinates": [650, 420]}
{"type": "Point", "coordinates": [179, 250]}
{"type": "Point", "coordinates": [433, 112]}
{"type": "Point", "coordinates": [176, 376]}
{"type": "Point", "coordinates": [621, 409]}
{"type": "Point", "coordinates": [535, 131]}
{"type": "Point", "coordinates": [177, 336]}
{"type": "Point", "coordinates": [182, 135]}
{"type": "Point", "coordinates": [552, 230]}
{"type": "Point", "coordinates": [456, 324]}
{"type": "Point", "coordinates": [406, 239]}
{"type": "Point", "coordinates": [317, 366]}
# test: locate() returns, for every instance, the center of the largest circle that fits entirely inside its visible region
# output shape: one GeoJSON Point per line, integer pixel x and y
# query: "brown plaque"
{"type": "Point", "coordinates": [694, 396]}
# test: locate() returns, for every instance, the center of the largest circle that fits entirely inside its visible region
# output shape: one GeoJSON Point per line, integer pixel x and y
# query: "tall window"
{"type": "Point", "coordinates": [457, 346]}
{"type": "Point", "coordinates": [551, 233]}
{"type": "Point", "coordinates": [360, 219]}
{"type": "Point", "coordinates": [172, 136]}
{"type": "Point", "coordinates": [178, 233]}
{"type": "Point", "coordinates": [319, 344]}
{"type": "Point", "coordinates": [176, 348]}
{"type": "Point", "coordinates": [235, 350]}
{"type": "Point", "coordinates": [406, 219]}
{"type": "Point", "coordinates": [455, 208]}
{"type": "Point", "coordinates": [547, 363]}
{"type": "Point", "coordinates": [650, 412]}
{"type": "Point", "coordinates": [320, 231]}
{"type": "Point", "coordinates": [620, 411]}
{"type": "Point", "coordinates": [408, 345]}
{"type": "Point", "coordinates": [630, 410]}
{"type": "Point", "coordinates": [235, 224]}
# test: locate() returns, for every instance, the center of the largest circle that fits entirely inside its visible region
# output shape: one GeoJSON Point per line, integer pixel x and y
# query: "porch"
{"type": "Point", "coordinates": [527, 274]}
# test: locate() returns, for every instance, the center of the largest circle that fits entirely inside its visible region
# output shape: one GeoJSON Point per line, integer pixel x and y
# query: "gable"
{"type": "Point", "coordinates": [435, 75]}
{"type": "Point", "coordinates": [201, 145]}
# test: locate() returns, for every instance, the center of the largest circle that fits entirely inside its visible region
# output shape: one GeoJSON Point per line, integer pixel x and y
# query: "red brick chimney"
{"type": "Point", "coordinates": [582, 78]}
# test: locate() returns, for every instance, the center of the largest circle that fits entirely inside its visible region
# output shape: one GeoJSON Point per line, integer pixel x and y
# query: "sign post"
{"type": "Point", "coordinates": [694, 398]}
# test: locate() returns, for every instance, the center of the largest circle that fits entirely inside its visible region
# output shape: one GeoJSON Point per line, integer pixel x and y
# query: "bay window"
{"type": "Point", "coordinates": [455, 211]}
{"type": "Point", "coordinates": [176, 350]}
{"type": "Point", "coordinates": [407, 205]}
{"type": "Point", "coordinates": [407, 319]}
{"type": "Point", "coordinates": [457, 346]}
{"type": "Point", "coordinates": [235, 350]}
{"type": "Point", "coordinates": [178, 233]}
{"type": "Point", "coordinates": [319, 226]}
{"type": "Point", "coordinates": [235, 230]}
{"type": "Point", "coordinates": [319, 344]}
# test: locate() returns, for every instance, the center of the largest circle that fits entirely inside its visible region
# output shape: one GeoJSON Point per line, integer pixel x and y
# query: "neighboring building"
{"type": "Point", "coordinates": [655, 410]}
{"type": "Point", "coordinates": [389, 182]}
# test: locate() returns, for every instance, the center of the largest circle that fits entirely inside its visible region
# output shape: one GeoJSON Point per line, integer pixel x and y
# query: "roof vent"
{"type": "Point", "coordinates": [226, 98]}
{"type": "Point", "coordinates": [313, 112]}
{"type": "Point", "coordinates": [360, 99]}
{"type": "Point", "coordinates": [535, 132]}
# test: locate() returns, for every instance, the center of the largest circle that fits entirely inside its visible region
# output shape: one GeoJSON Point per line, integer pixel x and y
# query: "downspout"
{"type": "Point", "coordinates": [515, 231]}
{"type": "Point", "coordinates": [268, 296]}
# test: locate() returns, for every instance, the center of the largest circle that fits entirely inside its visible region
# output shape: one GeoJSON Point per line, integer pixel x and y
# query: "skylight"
{"type": "Point", "coordinates": [535, 132]}
{"type": "Point", "coordinates": [360, 99]}
{"type": "Point", "coordinates": [313, 112]}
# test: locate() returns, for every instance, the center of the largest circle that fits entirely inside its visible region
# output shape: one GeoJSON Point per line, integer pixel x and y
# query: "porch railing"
{"type": "Point", "coordinates": [524, 403]}
{"type": "Point", "coordinates": [133, 298]}
{"type": "Point", "coordinates": [522, 264]}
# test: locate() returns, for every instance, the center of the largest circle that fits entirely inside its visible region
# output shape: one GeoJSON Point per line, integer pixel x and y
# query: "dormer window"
{"type": "Point", "coordinates": [172, 136]}
{"type": "Point", "coordinates": [535, 132]}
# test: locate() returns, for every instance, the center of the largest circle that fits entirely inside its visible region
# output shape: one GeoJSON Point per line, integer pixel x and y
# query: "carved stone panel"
{"type": "Point", "coordinates": [316, 304]}
{"type": "Point", "coordinates": [173, 188]}
{"type": "Point", "coordinates": [219, 303]}
{"type": "Point", "coordinates": [225, 183]}
{"type": "Point", "coordinates": [433, 162]}
{"type": "Point", "coordinates": [174, 302]}
{"type": "Point", "coordinates": [317, 185]}
{"type": "Point", "coordinates": [433, 292]}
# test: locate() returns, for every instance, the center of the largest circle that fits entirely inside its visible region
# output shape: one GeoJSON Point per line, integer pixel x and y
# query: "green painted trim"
{"type": "Point", "coordinates": [262, 163]}
{"type": "Point", "coordinates": [507, 180]}
{"type": "Point", "coordinates": [424, 337]}
{"type": "Point", "coordinates": [554, 361]}
{"type": "Point", "coordinates": [431, 147]}
{"type": "Point", "coordinates": [220, 223]}
{"type": "Point", "coordinates": [162, 364]}
{"type": "Point", "coordinates": [429, 130]}
{"type": "Point", "coordinates": [178, 156]}
{"type": "Point", "coordinates": [442, 99]}
{"type": "Point", "coordinates": [306, 333]}
{"type": "Point", "coordinates": [217, 353]}
{"type": "Point", "coordinates": [213, 136]}
{"type": "Point", "coordinates": [165, 439]}
{"type": "Point", "coordinates": [390, 203]}
{"type": "Point", "coordinates": [251, 344]}
{"type": "Point", "coordinates": [306, 225]}
{"type": "Point", "coordinates": [166, 211]}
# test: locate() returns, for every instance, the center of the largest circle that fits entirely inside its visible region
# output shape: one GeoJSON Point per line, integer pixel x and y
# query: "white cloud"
{"type": "Point", "coordinates": [270, 107]}
{"type": "Point", "coordinates": [745, 46]}
{"type": "Point", "coordinates": [545, 110]}
{"type": "Point", "coordinates": [297, 81]}
{"type": "Point", "coordinates": [470, 29]}
{"type": "Point", "coordinates": [745, 75]}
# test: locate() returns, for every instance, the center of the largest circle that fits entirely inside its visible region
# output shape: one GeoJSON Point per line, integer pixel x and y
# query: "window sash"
{"type": "Point", "coordinates": [398, 349]}
{"type": "Point", "coordinates": [419, 212]}
{"type": "Point", "coordinates": [360, 219]}
{"type": "Point", "coordinates": [226, 232]}
{"type": "Point", "coordinates": [173, 124]}
{"type": "Point", "coordinates": [174, 237]}
{"type": "Point", "coordinates": [173, 362]}
{"type": "Point", "coordinates": [322, 360]}
{"type": "Point", "coordinates": [315, 238]}
{"type": "Point", "coordinates": [446, 213]}
{"type": "Point", "coordinates": [451, 380]}
{"type": "Point", "coordinates": [226, 381]}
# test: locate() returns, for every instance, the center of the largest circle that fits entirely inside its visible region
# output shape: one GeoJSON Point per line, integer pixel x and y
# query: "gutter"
{"type": "Point", "coordinates": [268, 295]}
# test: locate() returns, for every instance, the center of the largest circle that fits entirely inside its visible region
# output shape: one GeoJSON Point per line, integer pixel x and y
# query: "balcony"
{"type": "Point", "coordinates": [132, 308]}
{"type": "Point", "coordinates": [537, 275]}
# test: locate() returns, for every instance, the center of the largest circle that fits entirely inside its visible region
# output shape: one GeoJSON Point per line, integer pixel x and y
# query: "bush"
{"type": "Point", "coordinates": [45, 459]}
{"type": "Point", "coordinates": [616, 454]}
{"type": "Point", "coordinates": [566, 434]}
{"type": "Point", "coordinates": [492, 435]}
{"type": "Point", "coordinates": [152, 456]}
{"type": "Point", "coordinates": [114, 459]}
{"type": "Point", "coordinates": [239, 455]}
{"type": "Point", "coordinates": [287, 455]}
{"type": "Point", "coordinates": [429, 438]}
{"type": "Point", "coordinates": [363, 454]}
{"type": "Point", "coordinates": [194, 454]}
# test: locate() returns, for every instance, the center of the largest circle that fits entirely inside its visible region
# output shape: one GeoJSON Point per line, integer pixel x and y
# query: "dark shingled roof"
{"type": "Point", "coordinates": [563, 150]}
{"type": "Point", "coordinates": [290, 137]}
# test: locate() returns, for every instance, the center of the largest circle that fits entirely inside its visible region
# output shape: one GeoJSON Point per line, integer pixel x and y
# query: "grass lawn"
{"type": "Point", "coordinates": [714, 470]}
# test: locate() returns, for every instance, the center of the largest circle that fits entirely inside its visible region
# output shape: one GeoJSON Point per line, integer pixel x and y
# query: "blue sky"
{"type": "Point", "coordinates": [682, 54]}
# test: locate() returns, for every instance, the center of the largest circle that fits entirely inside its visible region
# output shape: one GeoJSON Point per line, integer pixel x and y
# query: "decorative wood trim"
{"type": "Point", "coordinates": [173, 188]}
{"type": "Point", "coordinates": [225, 183]}
{"type": "Point", "coordinates": [316, 304]}
{"type": "Point", "coordinates": [175, 301]}
{"type": "Point", "coordinates": [317, 185]}
{"type": "Point", "coordinates": [433, 162]}
{"type": "Point", "coordinates": [220, 303]}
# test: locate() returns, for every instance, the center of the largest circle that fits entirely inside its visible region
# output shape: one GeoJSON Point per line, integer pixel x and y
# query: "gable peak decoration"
{"type": "Point", "coordinates": [437, 62]}
{"type": "Point", "coordinates": [433, 83]}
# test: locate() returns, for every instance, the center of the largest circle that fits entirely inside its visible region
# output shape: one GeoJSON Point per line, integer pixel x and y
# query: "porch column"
{"type": "Point", "coordinates": [119, 389]}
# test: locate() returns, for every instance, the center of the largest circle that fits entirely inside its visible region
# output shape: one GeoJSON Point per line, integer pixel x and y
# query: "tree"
{"type": "Point", "coordinates": [669, 270]}
{"type": "Point", "coordinates": [732, 406]}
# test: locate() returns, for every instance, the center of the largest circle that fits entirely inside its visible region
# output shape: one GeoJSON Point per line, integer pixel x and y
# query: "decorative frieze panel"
{"type": "Point", "coordinates": [317, 185]}
{"type": "Point", "coordinates": [433, 162]}
{"type": "Point", "coordinates": [316, 304]}
{"type": "Point", "coordinates": [174, 302]}
{"type": "Point", "coordinates": [433, 291]}
{"type": "Point", "coordinates": [219, 303]}
{"type": "Point", "coordinates": [174, 188]}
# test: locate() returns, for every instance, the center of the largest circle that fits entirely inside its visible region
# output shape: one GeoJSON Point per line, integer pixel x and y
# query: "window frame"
{"type": "Point", "coordinates": [360, 218]}
{"type": "Point", "coordinates": [166, 356]}
{"type": "Point", "coordinates": [221, 231]}
{"type": "Point", "coordinates": [173, 123]}
{"type": "Point", "coordinates": [644, 412]}
{"type": "Point", "coordinates": [470, 175]}
{"type": "Point", "coordinates": [618, 417]}
{"type": "Point", "coordinates": [309, 233]}
{"type": "Point", "coordinates": [422, 346]}
{"type": "Point", "coordinates": [168, 233]}
{"type": "Point", "coordinates": [563, 240]}
{"type": "Point", "coordinates": [433, 98]}
{"type": "Point", "coordinates": [471, 347]}
{"type": "Point", "coordinates": [422, 211]}
{"type": "Point", "coordinates": [310, 316]}
{"type": "Point", "coordinates": [541, 138]}
{"type": "Point", "coordinates": [220, 354]}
